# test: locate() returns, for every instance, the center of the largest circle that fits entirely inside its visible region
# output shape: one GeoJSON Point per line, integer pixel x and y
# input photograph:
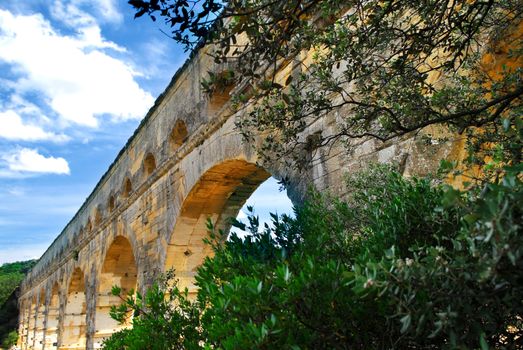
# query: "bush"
{"type": "Point", "coordinates": [402, 263]}
{"type": "Point", "coordinates": [10, 340]}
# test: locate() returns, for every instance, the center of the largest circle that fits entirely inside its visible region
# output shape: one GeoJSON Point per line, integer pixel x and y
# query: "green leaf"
{"type": "Point", "coordinates": [483, 342]}
{"type": "Point", "coordinates": [405, 323]}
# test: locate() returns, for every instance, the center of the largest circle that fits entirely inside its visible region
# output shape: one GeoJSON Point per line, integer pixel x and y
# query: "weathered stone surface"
{"type": "Point", "coordinates": [184, 164]}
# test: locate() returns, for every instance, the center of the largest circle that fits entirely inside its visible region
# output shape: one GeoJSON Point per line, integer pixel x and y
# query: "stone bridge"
{"type": "Point", "coordinates": [184, 164]}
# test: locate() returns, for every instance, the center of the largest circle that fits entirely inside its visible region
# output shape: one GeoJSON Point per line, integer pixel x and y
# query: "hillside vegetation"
{"type": "Point", "coordinates": [11, 275]}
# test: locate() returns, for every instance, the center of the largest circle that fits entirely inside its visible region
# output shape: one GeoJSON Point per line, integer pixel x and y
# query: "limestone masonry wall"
{"type": "Point", "coordinates": [184, 164]}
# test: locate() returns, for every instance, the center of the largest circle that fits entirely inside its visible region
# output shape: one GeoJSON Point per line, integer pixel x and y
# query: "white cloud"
{"type": "Point", "coordinates": [22, 252]}
{"type": "Point", "coordinates": [76, 13]}
{"type": "Point", "coordinates": [76, 76]}
{"type": "Point", "coordinates": [26, 160]}
{"type": "Point", "coordinates": [14, 128]}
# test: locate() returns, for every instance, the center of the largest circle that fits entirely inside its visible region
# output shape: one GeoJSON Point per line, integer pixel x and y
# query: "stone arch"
{"type": "Point", "coordinates": [119, 268]}
{"type": "Point", "coordinates": [178, 134]}
{"type": "Point", "coordinates": [32, 322]}
{"type": "Point", "coordinates": [24, 327]}
{"type": "Point", "coordinates": [149, 164]}
{"type": "Point", "coordinates": [39, 322]}
{"type": "Point", "coordinates": [219, 194]}
{"type": "Point", "coordinates": [53, 313]}
{"type": "Point", "coordinates": [74, 323]}
{"type": "Point", "coordinates": [98, 217]}
{"type": "Point", "coordinates": [88, 226]}
{"type": "Point", "coordinates": [127, 187]}
{"type": "Point", "coordinates": [111, 203]}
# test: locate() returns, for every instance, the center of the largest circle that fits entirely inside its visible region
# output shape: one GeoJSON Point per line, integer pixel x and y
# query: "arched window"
{"type": "Point", "coordinates": [127, 188]}
{"type": "Point", "coordinates": [178, 134]}
{"type": "Point", "coordinates": [111, 203]}
{"type": "Point", "coordinates": [97, 217]}
{"type": "Point", "coordinates": [149, 164]}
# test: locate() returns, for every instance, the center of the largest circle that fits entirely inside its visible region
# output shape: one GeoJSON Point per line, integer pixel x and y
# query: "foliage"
{"type": "Point", "coordinates": [11, 274]}
{"type": "Point", "coordinates": [402, 263]}
{"type": "Point", "coordinates": [386, 68]}
{"type": "Point", "coordinates": [10, 340]}
{"type": "Point", "coordinates": [160, 318]}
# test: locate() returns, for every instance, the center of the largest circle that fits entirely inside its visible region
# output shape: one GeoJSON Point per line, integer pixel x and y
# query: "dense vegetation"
{"type": "Point", "coordinates": [403, 263]}
{"type": "Point", "coordinates": [11, 274]}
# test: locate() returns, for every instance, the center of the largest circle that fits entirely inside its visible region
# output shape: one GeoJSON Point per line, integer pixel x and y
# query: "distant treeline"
{"type": "Point", "coordinates": [11, 275]}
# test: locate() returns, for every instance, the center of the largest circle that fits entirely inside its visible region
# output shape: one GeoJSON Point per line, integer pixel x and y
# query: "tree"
{"type": "Point", "coordinates": [11, 275]}
{"type": "Point", "coordinates": [10, 340]}
{"type": "Point", "coordinates": [388, 67]}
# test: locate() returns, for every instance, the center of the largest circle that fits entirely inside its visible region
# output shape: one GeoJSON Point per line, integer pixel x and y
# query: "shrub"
{"type": "Point", "coordinates": [402, 263]}
{"type": "Point", "coordinates": [10, 340]}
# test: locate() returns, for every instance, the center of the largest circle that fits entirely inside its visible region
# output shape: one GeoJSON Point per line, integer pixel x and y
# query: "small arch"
{"type": "Point", "coordinates": [119, 268]}
{"type": "Point", "coordinates": [149, 164]}
{"type": "Point", "coordinates": [53, 312]}
{"type": "Point", "coordinates": [32, 322]}
{"type": "Point", "coordinates": [39, 322]}
{"type": "Point", "coordinates": [74, 323]}
{"type": "Point", "coordinates": [88, 226]}
{"type": "Point", "coordinates": [178, 134]}
{"type": "Point", "coordinates": [127, 188]}
{"type": "Point", "coordinates": [77, 237]}
{"type": "Point", "coordinates": [111, 203]}
{"type": "Point", "coordinates": [97, 216]}
{"type": "Point", "coordinates": [25, 310]}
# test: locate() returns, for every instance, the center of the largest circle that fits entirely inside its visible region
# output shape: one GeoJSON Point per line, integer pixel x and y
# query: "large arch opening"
{"type": "Point", "coordinates": [40, 318]}
{"type": "Point", "coordinates": [219, 195]}
{"type": "Point", "coordinates": [74, 326]}
{"type": "Point", "coordinates": [269, 198]}
{"type": "Point", "coordinates": [119, 269]}
{"type": "Point", "coordinates": [53, 312]}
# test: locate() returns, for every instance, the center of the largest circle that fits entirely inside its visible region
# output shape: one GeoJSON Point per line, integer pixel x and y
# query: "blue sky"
{"type": "Point", "coordinates": [76, 78]}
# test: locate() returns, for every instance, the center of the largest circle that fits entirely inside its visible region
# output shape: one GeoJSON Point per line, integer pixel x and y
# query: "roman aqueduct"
{"type": "Point", "coordinates": [185, 163]}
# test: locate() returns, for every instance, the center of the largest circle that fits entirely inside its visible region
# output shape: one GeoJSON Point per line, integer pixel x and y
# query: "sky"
{"type": "Point", "coordinates": [76, 78]}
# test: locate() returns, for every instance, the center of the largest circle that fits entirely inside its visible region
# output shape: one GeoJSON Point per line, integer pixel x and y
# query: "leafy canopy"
{"type": "Point", "coordinates": [384, 68]}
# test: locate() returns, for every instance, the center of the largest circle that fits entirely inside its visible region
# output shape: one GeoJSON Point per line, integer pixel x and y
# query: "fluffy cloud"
{"type": "Point", "coordinates": [75, 13]}
{"type": "Point", "coordinates": [22, 252]}
{"type": "Point", "coordinates": [14, 128]}
{"type": "Point", "coordinates": [26, 160]}
{"type": "Point", "coordinates": [75, 74]}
